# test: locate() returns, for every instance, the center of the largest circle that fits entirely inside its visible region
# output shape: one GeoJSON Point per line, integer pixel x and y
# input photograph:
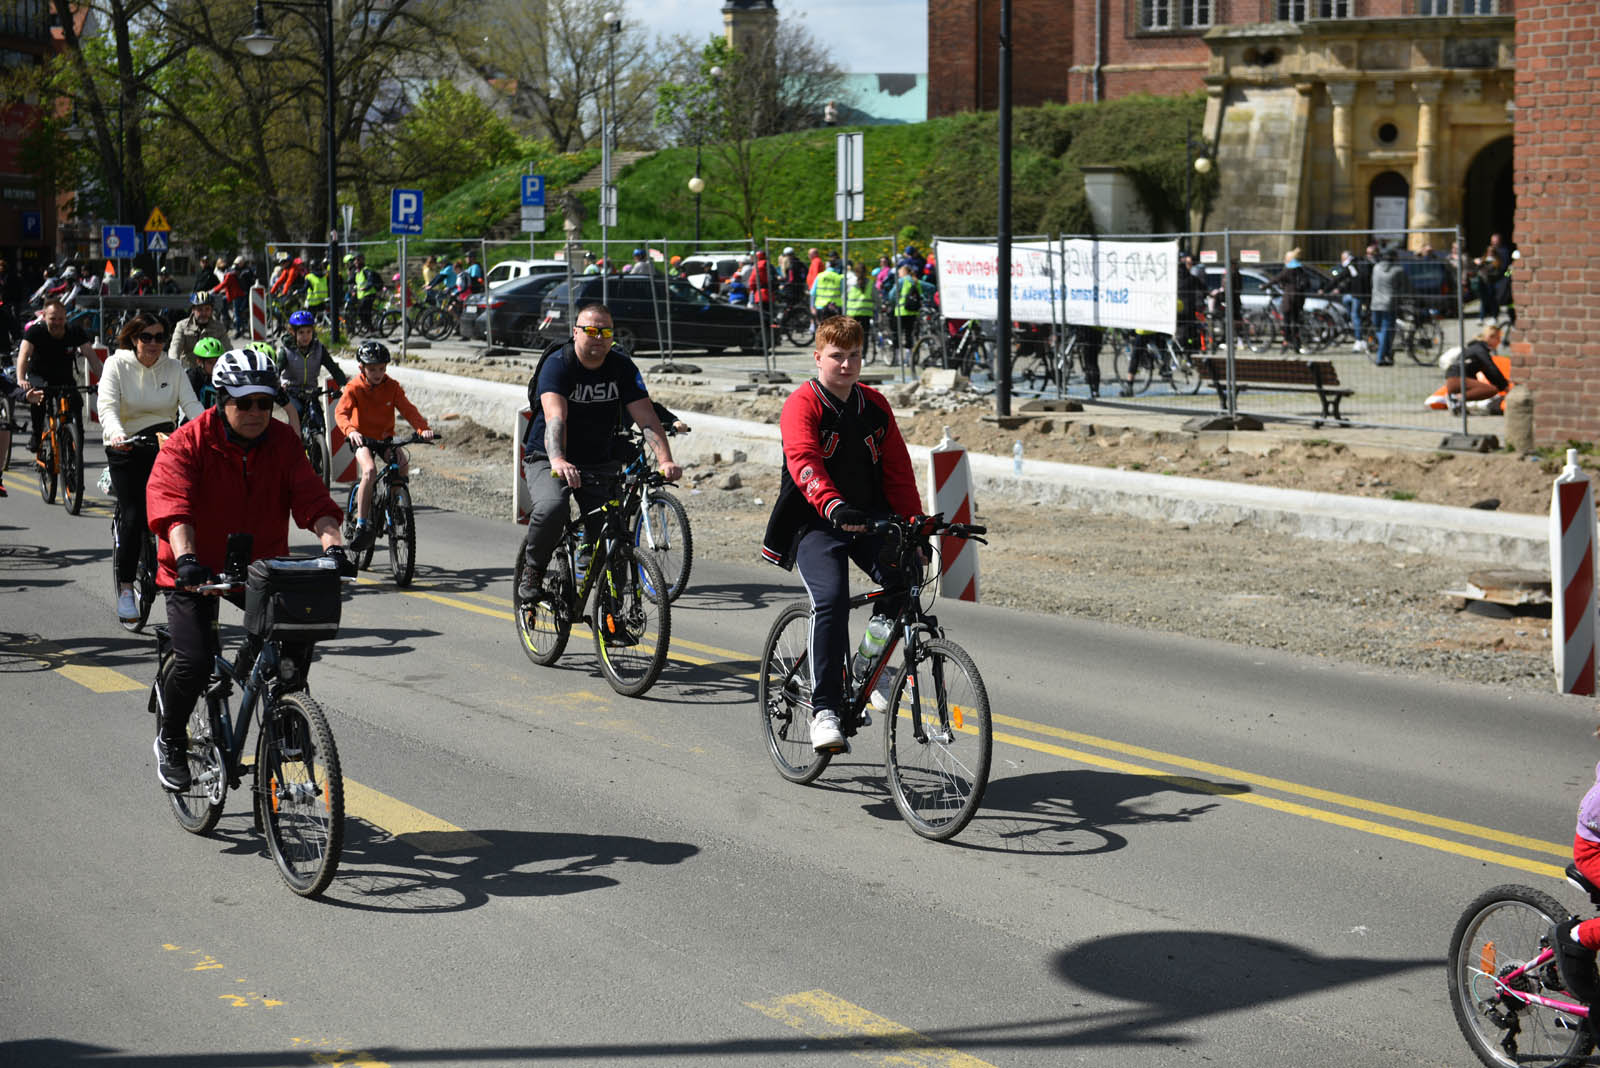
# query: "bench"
{"type": "Point", "coordinates": [1279, 376]}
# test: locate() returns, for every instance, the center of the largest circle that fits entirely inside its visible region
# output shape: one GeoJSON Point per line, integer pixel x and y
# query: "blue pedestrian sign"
{"type": "Point", "coordinates": [533, 190]}
{"type": "Point", "coordinates": [155, 240]}
{"type": "Point", "coordinates": [405, 211]}
{"type": "Point", "coordinates": [119, 242]}
{"type": "Point", "coordinates": [32, 225]}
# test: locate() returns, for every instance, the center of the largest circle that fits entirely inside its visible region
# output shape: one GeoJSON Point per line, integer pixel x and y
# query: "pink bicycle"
{"type": "Point", "coordinates": [1505, 987]}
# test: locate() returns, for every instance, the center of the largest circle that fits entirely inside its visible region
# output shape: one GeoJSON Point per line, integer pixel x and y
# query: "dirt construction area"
{"type": "Point", "coordinates": [1365, 604]}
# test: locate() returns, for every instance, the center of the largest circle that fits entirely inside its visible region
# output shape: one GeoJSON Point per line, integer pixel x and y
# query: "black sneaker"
{"type": "Point", "coordinates": [1574, 963]}
{"type": "Point", "coordinates": [363, 539]}
{"type": "Point", "coordinates": [528, 588]}
{"type": "Point", "coordinates": [172, 766]}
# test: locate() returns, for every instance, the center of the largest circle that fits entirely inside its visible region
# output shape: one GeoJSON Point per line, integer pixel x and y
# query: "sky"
{"type": "Point", "coordinates": [857, 33]}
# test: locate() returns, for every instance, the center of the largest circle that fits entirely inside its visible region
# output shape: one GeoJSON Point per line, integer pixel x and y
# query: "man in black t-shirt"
{"type": "Point", "coordinates": [47, 357]}
{"type": "Point", "coordinates": [579, 396]}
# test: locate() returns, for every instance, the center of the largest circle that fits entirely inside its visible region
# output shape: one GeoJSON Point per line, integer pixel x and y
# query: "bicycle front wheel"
{"type": "Point", "coordinates": [317, 453]}
{"type": "Point", "coordinates": [938, 739]}
{"type": "Point", "coordinates": [1184, 377]}
{"type": "Point", "coordinates": [661, 530]}
{"type": "Point", "coordinates": [783, 697]}
{"type": "Point", "coordinates": [45, 464]}
{"type": "Point", "coordinates": [632, 621]}
{"type": "Point", "coordinates": [300, 793]}
{"type": "Point", "coordinates": [798, 327]}
{"type": "Point", "coordinates": [1423, 341]}
{"type": "Point", "coordinates": [71, 445]}
{"type": "Point", "coordinates": [433, 324]}
{"type": "Point", "coordinates": [544, 623]}
{"type": "Point", "coordinates": [388, 325]}
{"type": "Point", "coordinates": [1503, 930]}
{"type": "Point", "coordinates": [402, 536]}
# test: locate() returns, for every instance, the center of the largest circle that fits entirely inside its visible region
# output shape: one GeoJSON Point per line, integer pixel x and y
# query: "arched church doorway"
{"type": "Point", "coordinates": [1488, 198]}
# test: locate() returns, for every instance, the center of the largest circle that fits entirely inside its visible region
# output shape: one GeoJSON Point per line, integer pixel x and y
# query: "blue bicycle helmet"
{"type": "Point", "coordinates": [201, 297]}
{"type": "Point", "coordinates": [302, 318]}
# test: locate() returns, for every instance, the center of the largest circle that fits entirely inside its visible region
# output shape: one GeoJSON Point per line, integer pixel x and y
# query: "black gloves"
{"type": "Point", "coordinates": [191, 572]}
{"type": "Point", "coordinates": [846, 515]}
{"type": "Point", "coordinates": [347, 566]}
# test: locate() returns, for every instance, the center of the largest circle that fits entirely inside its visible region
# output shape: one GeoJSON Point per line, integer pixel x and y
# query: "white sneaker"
{"type": "Point", "coordinates": [1359, 346]}
{"type": "Point", "coordinates": [825, 734]}
{"type": "Point", "coordinates": [879, 697]}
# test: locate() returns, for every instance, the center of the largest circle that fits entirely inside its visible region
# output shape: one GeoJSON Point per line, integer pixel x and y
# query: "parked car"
{"type": "Point", "coordinates": [1432, 280]}
{"type": "Point", "coordinates": [513, 310]}
{"type": "Point", "coordinates": [508, 270]}
{"type": "Point", "coordinates": [1257, 287]}
{"type": "Point", "coordinates": [708, 270]}
{"type": "Point", "coordinates": [698, 321]}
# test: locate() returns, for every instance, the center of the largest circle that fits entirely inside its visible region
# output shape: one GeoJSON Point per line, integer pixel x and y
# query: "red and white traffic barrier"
{"type": "Point", "coordinates": [1572, 580]}
{"type": "Point", "coordinates": [91, 376]}
{"type": "Point", "coordinates": [258, 313]}
{"type": "Point", "coordinates": [342, 462]}
{"type": "Point", "coordinates": [521, 499]}
{"type": "Point", "coordinates": [950, 489]}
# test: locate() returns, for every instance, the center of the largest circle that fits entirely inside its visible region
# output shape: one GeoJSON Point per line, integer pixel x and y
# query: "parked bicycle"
{"type": "Point", "coordinates": [425, 319]}
{"type": "Point", "coordinates": [1138, 363]}
{"type": "Point", "coordinates": [968, 351]}
{"type": "Point", "coordinates": [937, 733]}
{"type": "Point", "coordinates": [617, 590]}
{"type": "Point", "coordinates": [297, 790]}
{"type": "Point", "coordinates": [59, 461]}
{"type": "Point", "coordinates": [392, 515]}
{"type": "Point", "coordinates": [144, 578]}
{"type": "Point", "coordinates": [1505, 986]}
{"type": "Point", "coordinates": [1417, 333]}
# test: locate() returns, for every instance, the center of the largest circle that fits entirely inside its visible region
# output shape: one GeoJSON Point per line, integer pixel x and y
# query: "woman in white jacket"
{"type": "Point", "coordinates": [141, 392]}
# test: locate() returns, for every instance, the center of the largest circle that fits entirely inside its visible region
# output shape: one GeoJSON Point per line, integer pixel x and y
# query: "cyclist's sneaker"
{"type": "Point", "coordinates": [172, 766]}
{"type": "Point", "coordinates": [127, 607]}
{"type": "Point", "coordinates": [825, 734]}
{"type": "Point", "coordinates": [879, 697]}
{"type": "Point", "coordinates": [3, 492]}
{"type": "Point", "coordinates": [528, 587]}
{"type": "Point", "coordinates": [364, 537]}
{"type": "Point", "coordinates": [1574, 963]}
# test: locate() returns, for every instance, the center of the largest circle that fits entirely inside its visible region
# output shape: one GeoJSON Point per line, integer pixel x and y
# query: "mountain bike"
{"type": "Point", "coordinates": [661, 524]}
{"type": "Point", "coordinates": [392, 515]}
{"type": "Point", "coordinates": [937, 732]}
{"type": "Point", "coordinates": [1137, 365]}
{"type": "Point", "coordinates": [967, 352]}
{"type": "Point", "coordinates": [59, 460]}
{"type": "Point", "coordinates": [297, 792]}
{"type": "Point", "coordinates": [1505, 987]}
{"type": "Point", "coordinates": [425, 319]}
{"type": "Point", "coordinates": [629, 611]}
{"type": "Point", "coordinates": [314, 430]}
{"type": "Point", "coordinates": [793, 319]}
{"type": "Point", "coordinates": [144, 579]}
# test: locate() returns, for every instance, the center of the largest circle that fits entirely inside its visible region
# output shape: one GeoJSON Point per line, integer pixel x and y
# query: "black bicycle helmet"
{"type": "Point", "coordinates": [372, 352]}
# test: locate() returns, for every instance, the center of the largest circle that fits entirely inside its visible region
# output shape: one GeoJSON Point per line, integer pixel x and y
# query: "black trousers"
{"type": "Point", "coordinates": [130, 472]}
{"type": "Point", "coordinates": [192, 626]}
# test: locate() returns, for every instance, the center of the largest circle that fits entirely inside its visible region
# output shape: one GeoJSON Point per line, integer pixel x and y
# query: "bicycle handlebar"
{"type": "Point", "coordinates": [925, 527]}
{"type": "Point", "coordinates": [389, 443]}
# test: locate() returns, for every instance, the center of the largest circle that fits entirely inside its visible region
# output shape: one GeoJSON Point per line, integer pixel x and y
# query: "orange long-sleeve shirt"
{"type": "Point", "coordinates": [369, 410]}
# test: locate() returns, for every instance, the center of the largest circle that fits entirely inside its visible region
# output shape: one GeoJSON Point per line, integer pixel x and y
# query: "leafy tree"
{"type": "Point", "coordinates": [446, 140]}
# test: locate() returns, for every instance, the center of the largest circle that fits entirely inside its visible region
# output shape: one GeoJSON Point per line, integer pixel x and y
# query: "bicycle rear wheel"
{"type": "Point", "coordinates": [317, 453]}
{"type": "Point", "coordinates": [45, 464]}
{"type": "Point", "coordinates": [1423, 340]}
{"type": "Point", "coordinates": [402, 536]}
{"type": "Point", "coordinates": [198, 808]}
{"type": "Point", "coordinates": [1134, 368]}
{"type": "Point", "coordinates": [927, 352]}
{"type": "Point", "coordinates": [661, 530]}
{"type": "Point", "coordinates": [783, 697]}
{"type": "Point", "coordinates": [433, 324]}
{"type": "Point", "coordinates": [300, 793]}
{"type": "Point", "coordinates": [1504, 929]}
{"type": "Point", "coordinates": [632, 621]}
{"type": "Point", "coordinates": [543, 625]}
{"type": "Point", "coordinates": [938, 740]}
{"type": "Point", "coordinates": [798, 327]}
{"type": "Point", "coordinates": [388, 325]}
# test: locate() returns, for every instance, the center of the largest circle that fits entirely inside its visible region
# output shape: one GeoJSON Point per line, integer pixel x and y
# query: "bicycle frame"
{"type": "Point", "coordinates": [613, 512]}
{"type": "Point", "coordinates": [1503, 987]}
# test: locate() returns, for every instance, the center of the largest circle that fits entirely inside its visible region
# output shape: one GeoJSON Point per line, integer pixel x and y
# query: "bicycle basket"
{"type": "Point", "coordinates": [290, 600]}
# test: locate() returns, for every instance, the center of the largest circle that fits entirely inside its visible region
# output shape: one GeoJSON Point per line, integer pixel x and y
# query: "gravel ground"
{"type": "Point", "coordinates": [1357, 603]}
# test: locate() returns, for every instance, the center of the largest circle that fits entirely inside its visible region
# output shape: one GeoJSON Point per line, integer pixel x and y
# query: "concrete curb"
{"type": "Point", "coordinates": [1504, 538]}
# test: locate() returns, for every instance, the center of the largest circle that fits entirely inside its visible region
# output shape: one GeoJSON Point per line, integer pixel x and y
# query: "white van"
{"type": "Point", "coordinates": [506, 270]}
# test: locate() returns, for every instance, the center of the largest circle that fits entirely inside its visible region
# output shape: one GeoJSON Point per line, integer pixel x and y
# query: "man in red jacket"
{"type": "Point", "coordinates": [845, 465]}
{"type": "Point", "coordinates": [233, 470]}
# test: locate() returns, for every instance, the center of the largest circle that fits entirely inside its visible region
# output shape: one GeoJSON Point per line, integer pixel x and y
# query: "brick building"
{"type": "Point", "coordinates": [28, 210]}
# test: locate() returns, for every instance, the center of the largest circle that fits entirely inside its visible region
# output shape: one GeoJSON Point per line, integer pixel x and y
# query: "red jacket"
{"type": "Point", "coordinates": [230, 287]}
{"type": "Point", "coordinates": [203, 478]}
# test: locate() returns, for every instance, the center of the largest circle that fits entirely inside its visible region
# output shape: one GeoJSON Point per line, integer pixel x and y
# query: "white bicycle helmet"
{"type": "Point", "coordinates": [245, 371]}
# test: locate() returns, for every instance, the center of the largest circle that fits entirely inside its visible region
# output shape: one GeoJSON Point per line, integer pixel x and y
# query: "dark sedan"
{"type": "Point", "coordinates": [510, 311]}
{"type": "Point", "coordinates": [697, 320]}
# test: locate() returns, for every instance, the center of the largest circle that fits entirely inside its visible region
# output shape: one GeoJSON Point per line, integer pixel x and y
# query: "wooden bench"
{"type": "Point", "coordinates": [1279, 376]}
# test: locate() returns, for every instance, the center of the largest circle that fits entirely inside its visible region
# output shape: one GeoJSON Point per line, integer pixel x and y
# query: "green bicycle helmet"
{"type": "Point", "coordinates": [208, 348]}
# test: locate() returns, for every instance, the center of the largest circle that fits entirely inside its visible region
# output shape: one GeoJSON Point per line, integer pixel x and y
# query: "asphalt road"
{"type": "Point", "coordinates": [1189, 853]}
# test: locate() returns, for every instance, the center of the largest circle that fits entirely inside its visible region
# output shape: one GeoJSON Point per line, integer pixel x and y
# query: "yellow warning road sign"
{"type": "Point", "coordinates": [157, 221]}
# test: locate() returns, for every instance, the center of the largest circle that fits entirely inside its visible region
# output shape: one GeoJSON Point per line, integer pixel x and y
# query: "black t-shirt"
{"type": "Point", "coordinates": [53, 357]}
{"type": "Point", "coordinates": [596, 403]}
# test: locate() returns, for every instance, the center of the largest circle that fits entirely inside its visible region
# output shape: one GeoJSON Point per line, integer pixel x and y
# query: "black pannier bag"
{"type": "Point", "coordinates": [293, 600]}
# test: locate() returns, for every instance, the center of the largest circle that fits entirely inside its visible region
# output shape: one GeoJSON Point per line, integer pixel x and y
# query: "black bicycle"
{"type": "Point", "coordinates": [629, 611]}
{"type": "Point", "coordinates": [937, 735]}
{"type": "Point", "coordinates": [314, 430]}
{"type": "Point", "coordinates": [297, 792]}
{"type": "Point", "coordinates": [144, 579]}
{"type": "Point", "coordinates": [660, 524]}
{"type": "Point", "coordinates": [392, 515]}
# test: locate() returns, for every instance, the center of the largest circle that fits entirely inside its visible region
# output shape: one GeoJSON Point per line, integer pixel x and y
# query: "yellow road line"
{"type": "Point", "coordinates": [862, 1033]}
{"type": "Point", "coordinates": [99, 679]}
{"type": "Point", "coordinates": [420, 830]}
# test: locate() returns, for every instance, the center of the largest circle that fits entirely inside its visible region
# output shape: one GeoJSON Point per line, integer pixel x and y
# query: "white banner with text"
{"type": "Point", "coordinates": [1127, 284]}
{"type": "Point", "coordinates": [969, 287]}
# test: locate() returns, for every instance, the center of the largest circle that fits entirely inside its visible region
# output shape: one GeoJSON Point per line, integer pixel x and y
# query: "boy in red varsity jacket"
{"type": "Point", "coordinates": [844, 466]}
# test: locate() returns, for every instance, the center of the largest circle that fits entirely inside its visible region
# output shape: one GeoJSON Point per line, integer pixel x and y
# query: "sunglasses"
{"type": "Point", "coordinates": [253, 404]}
{"type": "Point", "coordinates": [596, 331]}
{"type": "Point", "coordinates": [149, 339]}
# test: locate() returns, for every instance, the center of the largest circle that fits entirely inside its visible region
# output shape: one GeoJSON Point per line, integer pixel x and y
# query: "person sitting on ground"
{"type": "Point", "coordinates": [1484, 382]}
{"type": "Point", "coordinates": [366, 410]}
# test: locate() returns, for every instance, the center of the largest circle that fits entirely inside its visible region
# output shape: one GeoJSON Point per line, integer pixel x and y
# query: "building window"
{"type": "Point", "coordinates": [1165, 16]}
{"type": "Point", "coordinates": [1302, 10]}
{"type": "Point", "coordinates": [1456, 7]}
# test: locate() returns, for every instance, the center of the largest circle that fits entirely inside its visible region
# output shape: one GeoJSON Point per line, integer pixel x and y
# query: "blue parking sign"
{"type": "Point", "coordinates": [533, 190]}
{"type": "Point", "coordinates": [32, 225]}
{"type": "Point", "coordinates": [405, 211]}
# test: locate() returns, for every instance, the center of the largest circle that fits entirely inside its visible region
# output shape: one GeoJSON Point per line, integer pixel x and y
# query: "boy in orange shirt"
{"type": "Point", "coordinates": [366, 410]}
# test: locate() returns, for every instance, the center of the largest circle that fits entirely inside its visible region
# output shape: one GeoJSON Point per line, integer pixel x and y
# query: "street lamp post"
{"type": "Point", "coordinates": [1195, 161]}
{"type": "Point", "coordinates": [260, 42]}
{"type": "Point", "coordinates": [697, 184]}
